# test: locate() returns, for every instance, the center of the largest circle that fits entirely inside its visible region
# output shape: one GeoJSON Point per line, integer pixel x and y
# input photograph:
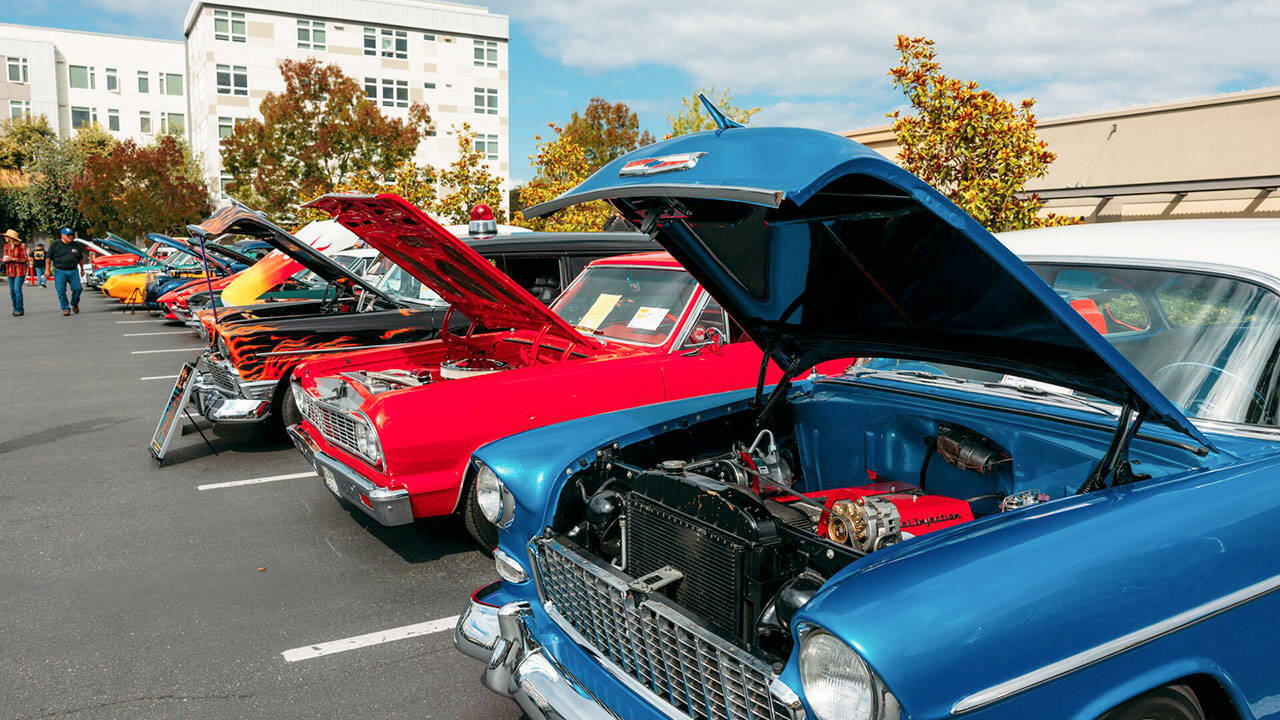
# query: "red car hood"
{"type": "Point", "coordinates": [445, 264]}
{"type": "Point", "coordinates": [180, 294]}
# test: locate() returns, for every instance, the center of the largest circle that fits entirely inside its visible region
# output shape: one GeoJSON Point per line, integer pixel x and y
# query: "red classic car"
{"type": "Point", "coordinates": [391, 430]}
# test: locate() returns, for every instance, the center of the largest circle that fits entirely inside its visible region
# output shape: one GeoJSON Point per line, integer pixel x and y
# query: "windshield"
{"type": "Point", "coordinates": [1207, 342]}
{"type": "Point", "coordinates": [399, 284]}
{"type": "Point", "coordinates": [629, 304]}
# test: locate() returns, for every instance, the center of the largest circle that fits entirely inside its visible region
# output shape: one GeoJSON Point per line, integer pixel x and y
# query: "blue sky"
{"type": "Point", "coordinates": [822, 63]}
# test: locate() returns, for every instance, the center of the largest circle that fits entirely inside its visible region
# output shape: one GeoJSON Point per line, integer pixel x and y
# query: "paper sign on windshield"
{"type": "Point", "coordinates": [648, 318]}
{"type": "Point", "coordinates": [598, 311]}
{"type": "Point", "coordinates": [1016, 381]}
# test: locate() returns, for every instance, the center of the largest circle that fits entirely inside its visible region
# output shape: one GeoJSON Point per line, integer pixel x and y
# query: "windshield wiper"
{"type": "Point", "coordinates": [1040, 392]}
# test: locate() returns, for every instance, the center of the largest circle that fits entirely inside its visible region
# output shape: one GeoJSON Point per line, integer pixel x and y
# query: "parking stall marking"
{"type": "Point", "coordinates": [148, 352]}
{"type": "Point", "coordinates": [160, 377]}
{"type": "Point", "coordinates": [376, 638]}
{"type": "Point", "coordinates": [133, 322]}
{"type": "Point", "coordinates": [255, 481]}
{"type": "Point", "coordinates": [166, 332]}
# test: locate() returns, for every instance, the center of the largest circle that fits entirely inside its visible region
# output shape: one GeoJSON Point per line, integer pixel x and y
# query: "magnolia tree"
{"type": "Point", "coordinates": [467, 182]}
{"type": "Point", "coordinates": [977, 149]}
{"type": "Point", "coordinates": [321, 132]}
{"type": "Point", "coordinates": [136, 189]}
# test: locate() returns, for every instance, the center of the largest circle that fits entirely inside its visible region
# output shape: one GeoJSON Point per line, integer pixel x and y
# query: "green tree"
{"type": "Point", "coordinates": [49, 201]}
{"type": "Point", "coordinates": [321, 132]}
{"type": "Point", "coordinates": [467, 182]}
{"type": "Point", "coordinates": [19, 139]}
{"type": "Point", "coordinates": [136, 189]}
{"type": "Point", "coordinates": [692, 117]}
{"type": "Point", "coordinates": [606, 130]}
{"type": "Point", "coordinates": [560, 164]}
{"type": "Point", "coordinates": [977, 149]}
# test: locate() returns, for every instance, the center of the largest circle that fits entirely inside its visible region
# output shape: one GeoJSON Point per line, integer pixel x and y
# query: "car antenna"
{"type": "Point", "coordinates": [723, 122]}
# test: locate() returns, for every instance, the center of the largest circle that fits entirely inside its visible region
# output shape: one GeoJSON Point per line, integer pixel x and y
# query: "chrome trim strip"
{"type": "Point", "coordinates": [1122, 644]}
{"type": "Point", "coordinates": [318, 351]}
{"type": "Point", "coordinates": [755, 196]}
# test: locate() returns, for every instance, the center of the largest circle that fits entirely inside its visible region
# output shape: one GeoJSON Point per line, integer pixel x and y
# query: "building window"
{"type": "Point", "coordinates": [19, 109]}
{"type": "Point", "coordinates": [370, 41]}
{"type": "Point", "coordinates": [395, 93]}
{"type": "Point", "coordinates": [486, 101]}
{"type": "Point", "coordinates": [113, 83]}
{"type": "Point", "coordinates": [144, 122]}
{"type": "Point", "coordinates": [371, 88]}
{"type": "Point", "coordinates": [80, 77]}
{"type": "Point", "coordinates": [428, 37]}
{"type": "Point", "coordinates": [311, 35]}
{"type": "Point", "coordinates": [429, 86]}
{"type": "Point", "coordinates": [17, 70]}
{"type": "Point", "coordinates": [113, 120]}
{"type": "Point", "coordinates": [144, 82]}
{"type": "Point", "coordinates": [225, 126]}
{"type": "Point", "coordinates": [485, 53]}
{"type": "Point", "coordinates": [172, 83]}
{"type": "Point", "coordinates": [228, 25]}
{"type": "Point", "coordinates": [393, 43]}
{"type": "Point", "coordinates": [172, 123]}
{"type": "Point", "coordinates": [224, 182]}
{"type": "Point", "coordinates": [487, 145]}
{"type": "Point", "coordinates": [233, 80]}
{"type": "Point", "coordinates": [83, 117]}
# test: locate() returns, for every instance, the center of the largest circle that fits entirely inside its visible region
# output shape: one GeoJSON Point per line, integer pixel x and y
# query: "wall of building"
{"type": "Point", "coordinates": [1200, 140]}
{"type": "Point", "coordinates": [439, 66]}
{"type": "Point", "coordinates": [51, 54]}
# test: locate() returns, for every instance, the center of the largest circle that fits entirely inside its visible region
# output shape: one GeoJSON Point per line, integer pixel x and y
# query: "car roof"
{"type": "Point", "coordinates": [1251, 244]}
{"type": "Point", "coordinates": [564, 243]}
{"type": "Point", "coordinates": [656, 259]}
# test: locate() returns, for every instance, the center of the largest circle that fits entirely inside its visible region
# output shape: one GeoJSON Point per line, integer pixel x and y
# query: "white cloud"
{"type": "Point", "coordinates": [831, 56]}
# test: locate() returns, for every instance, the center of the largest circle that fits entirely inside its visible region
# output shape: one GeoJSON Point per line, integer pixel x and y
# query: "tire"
{"type": "Point", "coordinates": [288, 414]}
{"type": "Point", "coordinates": [478, 527]}
{"type": "Point", "coordinates": [1172, 702]}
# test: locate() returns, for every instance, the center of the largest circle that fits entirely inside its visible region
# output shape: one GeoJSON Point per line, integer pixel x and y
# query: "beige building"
{"type": "Point", "coordinates": [1217, 156]}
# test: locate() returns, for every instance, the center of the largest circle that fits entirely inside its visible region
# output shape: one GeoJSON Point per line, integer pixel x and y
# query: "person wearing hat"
{"type": "Point", "coordinates": [38, 263]}
{"type": "Point", "coordinates": [15, 267]}
{"type": "Point", "coordinates": [65, 257]}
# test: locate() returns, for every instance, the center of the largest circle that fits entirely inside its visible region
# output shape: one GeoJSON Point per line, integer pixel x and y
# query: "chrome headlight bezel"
{"type": "Point", "coordinates": [496, 502]}
{"type": "Point", "coordinates": [221, 345]}
{"type": "Point", "coordinates": [301, 400]}
{"type": "Point", "coordinates": [872, 702]}
{"type": "Point", "coordinates": [368, 446]}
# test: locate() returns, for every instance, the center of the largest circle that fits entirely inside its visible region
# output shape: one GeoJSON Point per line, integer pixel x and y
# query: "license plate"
{"type": "Point", "coordinates": [330, 481]}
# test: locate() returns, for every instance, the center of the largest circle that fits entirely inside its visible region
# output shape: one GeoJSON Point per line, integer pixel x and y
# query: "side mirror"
{"type": "Point", "coordinates": [703, 338]}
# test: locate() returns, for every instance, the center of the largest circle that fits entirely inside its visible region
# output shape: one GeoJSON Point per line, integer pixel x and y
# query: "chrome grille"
{"type": "Point", "coordinates": [223, 376]}
{"type": "Point", "coordinates": [334, 425]}
{"type": "Point", "coordinates": [693, 670]}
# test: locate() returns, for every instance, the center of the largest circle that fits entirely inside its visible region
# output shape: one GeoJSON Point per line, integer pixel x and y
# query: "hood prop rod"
{"type": "Point", "coordinates": [1117, 454]}
{"type": "Point", "coordinates": [779, 390]}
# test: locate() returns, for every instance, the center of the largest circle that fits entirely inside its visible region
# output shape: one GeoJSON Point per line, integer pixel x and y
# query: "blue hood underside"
{"type": "Point", "coordinates": [824, 249]}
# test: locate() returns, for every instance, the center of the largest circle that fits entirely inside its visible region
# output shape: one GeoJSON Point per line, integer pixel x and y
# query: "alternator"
{"type": "Point", "coordinates": [868, 523]}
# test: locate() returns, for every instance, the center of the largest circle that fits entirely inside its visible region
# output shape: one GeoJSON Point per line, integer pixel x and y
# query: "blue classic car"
{"type": "Point", "coordinates": [1001, 510]}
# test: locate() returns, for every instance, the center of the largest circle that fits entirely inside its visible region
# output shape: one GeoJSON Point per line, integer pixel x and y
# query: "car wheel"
{"type": "Point", "coordinates": [1174, 702]}
{"type": "Point", "coordinates": [289, 415]}
{"type": "Point", "coordinates": [477, 525]}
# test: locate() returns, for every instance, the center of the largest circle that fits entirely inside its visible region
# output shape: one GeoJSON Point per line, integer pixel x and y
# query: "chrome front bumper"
{"type": "Point", "coordinates": [388, 507]}
{"type": "Point", "coordinates": [219, 405]}
{"type": "Point", "coordinates": [519, 668]}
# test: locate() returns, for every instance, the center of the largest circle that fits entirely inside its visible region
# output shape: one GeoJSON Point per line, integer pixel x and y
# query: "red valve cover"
{"type": "Point", "coordinates": [920, 513]}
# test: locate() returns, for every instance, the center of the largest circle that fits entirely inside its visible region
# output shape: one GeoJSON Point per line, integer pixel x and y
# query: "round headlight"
{"type": "Point", "coordinates": [836, 682]}
{"type": "Point", "coordinates": [302, 400]}
{"type": "Point", "coordinates": [489, 493]}
{"type": "Point", "coordinates": [367, 440]}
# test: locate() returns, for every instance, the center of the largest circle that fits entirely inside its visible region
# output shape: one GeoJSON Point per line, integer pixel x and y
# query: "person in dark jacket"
{"type": "Point", "coordinates": [37, 264]}
{"type": "Point", "coordinates": [65, 257]}
{"type": "Point", "coordinates": [15, 268]}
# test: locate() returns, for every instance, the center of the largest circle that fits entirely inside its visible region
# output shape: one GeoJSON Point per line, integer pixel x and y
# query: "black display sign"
{"type": "Point", "coordinates": [177, 403]}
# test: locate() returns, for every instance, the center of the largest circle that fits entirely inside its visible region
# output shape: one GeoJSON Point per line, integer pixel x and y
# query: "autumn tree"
{"type": "Point", "coordinates": [560, 164]}
{"type": "Point", "coordinates": [136, 189]}
{"type": "Point", "coordinates": [605, 131]}
{"type": "Point", "coordinates": [692, 117]}
{"type": "Point", "coordinates": [467, 182]}
{"type": "Point", "coordinates": [977, 149]}
{"type": "Point", "coordinates": [415, 183]}
{"type": "Point", "coordinates": [319, 133]}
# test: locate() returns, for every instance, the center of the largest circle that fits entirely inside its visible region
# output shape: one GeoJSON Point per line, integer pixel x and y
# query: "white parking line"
{"type": "Point", "coordinates": [354, 643]}
{"type": "Point", "coordinates": [254, 481]}
{"type": "Point", "coordinates": [160, 377]}
{"type": "Point", "coordinates": [132, 322]}
{"type": "Point", "coordinates": [166, 332]}
{"type": "Point", "coordinates": [148, 352]}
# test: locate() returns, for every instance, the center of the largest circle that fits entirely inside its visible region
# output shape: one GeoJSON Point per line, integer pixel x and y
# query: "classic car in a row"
{"type": "Point", "coordinates": [245, 373]}
{"type": "Point", "coordinates": [629, 331]}
{"type": "Point", "coordinates": [1000, 512]}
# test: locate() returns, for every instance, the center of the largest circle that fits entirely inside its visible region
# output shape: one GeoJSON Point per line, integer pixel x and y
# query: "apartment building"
{"type": "Point", "coordinates": [451, 57]}
{"type": "Point", "coordinates": [133, 87]}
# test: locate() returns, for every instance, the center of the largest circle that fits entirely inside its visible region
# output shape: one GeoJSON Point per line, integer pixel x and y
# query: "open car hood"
{"type": "Point", "coordinates": [185, 248]}
{"type": "Point", "coordinates": [237, 219]}
{"type": "Point", "coordinates": [442, 262]}
{"type": "Point", "coordinates": [124, 246]}
{"type": "Point", "coordinates": [822, 249]}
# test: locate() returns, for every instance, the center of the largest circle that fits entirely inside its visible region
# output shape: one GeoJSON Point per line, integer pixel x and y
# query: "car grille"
{"type": "Point", "coordinates": [692, 669]}
{"type": "Point", "coordinates": [334, 425]}
{"type": "Point", "coordinates": [223, 376]}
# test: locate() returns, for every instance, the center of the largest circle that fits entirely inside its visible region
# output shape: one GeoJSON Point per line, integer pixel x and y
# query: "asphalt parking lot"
{"type": "Point", "coordinates": [132, 590]}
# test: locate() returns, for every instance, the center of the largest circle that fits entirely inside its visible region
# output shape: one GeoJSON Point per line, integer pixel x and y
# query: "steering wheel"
{"type": "Point", "coordinates": [1258, 398]}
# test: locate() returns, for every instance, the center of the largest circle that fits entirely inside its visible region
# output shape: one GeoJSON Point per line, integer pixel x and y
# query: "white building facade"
{"type": "Point", "coordinates": [134, 88]}
{"type": "Point", "coordinates": [451, 57]}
